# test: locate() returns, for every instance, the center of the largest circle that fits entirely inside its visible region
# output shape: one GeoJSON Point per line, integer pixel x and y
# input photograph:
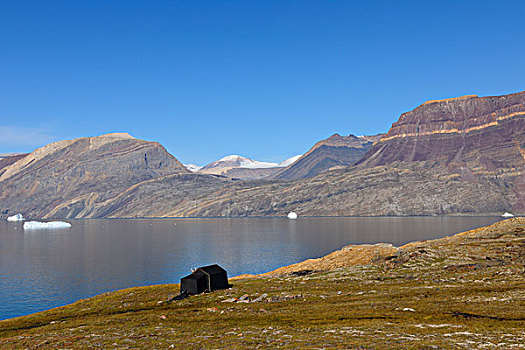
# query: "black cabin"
{"type": "Point", "coordinates": [205, 279]}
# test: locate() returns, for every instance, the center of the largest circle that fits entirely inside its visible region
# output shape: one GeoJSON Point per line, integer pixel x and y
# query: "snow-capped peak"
{"type": "Point", "coordinates": [192, 167]}
{"type": "Point", "coordinates": [232, 158]}
{"type": "Point", "coordinates": [289, 161]}
{"type": "Point", "coordinates": [243, 162]}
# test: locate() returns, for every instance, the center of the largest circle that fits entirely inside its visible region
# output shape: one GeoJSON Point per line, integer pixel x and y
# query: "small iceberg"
{"type": "Point", "coordinates": [292, 215]}
{"type": "Point", "coordinates": [38, 225]}
{"type": "Point", "coordinates": [17, 217]}
{"type": "Point", "coordinates": [507, 215]}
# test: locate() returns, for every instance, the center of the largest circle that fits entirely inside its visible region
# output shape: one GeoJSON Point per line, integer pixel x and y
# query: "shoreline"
{"type": "Point", "coordinates": [277, 217]}
{"type": "Point", "coordinates": [365, 254]}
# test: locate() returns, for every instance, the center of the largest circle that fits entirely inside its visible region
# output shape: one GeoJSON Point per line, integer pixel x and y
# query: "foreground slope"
{"type": "Point", "coordinates": [461, 292]}
{"type": "Point", "coordinates": [82, 172]}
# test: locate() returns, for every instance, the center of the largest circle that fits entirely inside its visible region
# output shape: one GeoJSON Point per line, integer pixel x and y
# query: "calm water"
{"type": "Point", "coordinates": [44, 269]}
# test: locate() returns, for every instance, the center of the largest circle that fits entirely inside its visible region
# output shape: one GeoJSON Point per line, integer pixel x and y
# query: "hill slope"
{"type": "Point", "coordinates": [335, 151]}
{"type": "Point", "coordinates": [87, 171]}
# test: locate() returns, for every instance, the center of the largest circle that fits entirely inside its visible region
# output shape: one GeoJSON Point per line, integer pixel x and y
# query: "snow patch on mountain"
{"type": "Point", "coordinates": [192, 167]}
{"type": "Point", "coordinates": [289, 161]}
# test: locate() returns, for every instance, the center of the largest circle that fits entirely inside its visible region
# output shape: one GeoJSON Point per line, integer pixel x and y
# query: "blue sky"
{"type": "Point", "coordinates": [265, 79]}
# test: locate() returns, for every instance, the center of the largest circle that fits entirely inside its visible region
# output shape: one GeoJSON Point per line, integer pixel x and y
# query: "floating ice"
{"type": "Point", "coordinates": [17, 217]}
{"type": "Point", "coordinates": [37, 225]}
{"type": "Point", "coordinates": [292, 215]}
{"type": "Point", "coordinates": [507, 215]}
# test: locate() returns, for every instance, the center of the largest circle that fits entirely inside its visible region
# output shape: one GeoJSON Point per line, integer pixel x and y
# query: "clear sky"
{"type": "Point", "coordinates": [264, 79]}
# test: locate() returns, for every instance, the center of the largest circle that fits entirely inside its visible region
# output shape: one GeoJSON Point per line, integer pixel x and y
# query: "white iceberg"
{"type": "Point", "coordinates": [507, 215]}
{"type": "Point", "coordinates": [292, 215]}
{"type": "Point", "coordinates": [17, 217]}
{"type": "Point", "coordinates": [37, 225]}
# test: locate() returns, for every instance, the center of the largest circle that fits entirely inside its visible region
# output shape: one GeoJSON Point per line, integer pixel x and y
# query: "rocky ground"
{"type": "Point", "coordinates": [461, 292]}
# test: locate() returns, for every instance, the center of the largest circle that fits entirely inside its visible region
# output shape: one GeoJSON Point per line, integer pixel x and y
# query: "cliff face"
{"type": "Point", "coordinates": [485, 133]}
{"type": "Point", "coordinates": [93, 168]}
{"type": "Point", "coordinates": [335, 151]}
{"type": "Point", "coordinates": [402, 188]}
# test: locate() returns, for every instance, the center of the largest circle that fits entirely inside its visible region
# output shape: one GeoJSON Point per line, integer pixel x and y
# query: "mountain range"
{"type": "Point", "coordinates": [243, 168]}
{"type": "Point", "coordinates": [456, 156]}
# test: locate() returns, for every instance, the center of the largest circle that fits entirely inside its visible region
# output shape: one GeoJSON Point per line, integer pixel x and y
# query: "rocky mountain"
{"type": "Point", "coordinates": [335, 151]}
{"type": "Point", "coordinates": [78, 174]}
{"type": "Point", "coordinates": [469, 132]}
{"type": "Point", "coordinates": [458, 156]}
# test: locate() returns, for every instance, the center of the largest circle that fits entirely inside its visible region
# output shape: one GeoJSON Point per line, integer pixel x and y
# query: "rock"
{"type": "Point", "coordinates": [230, 300]}
{"type": "Point", "coordinates": [244, 297]}
{"type": "Point", "coordinates": [260, 298]}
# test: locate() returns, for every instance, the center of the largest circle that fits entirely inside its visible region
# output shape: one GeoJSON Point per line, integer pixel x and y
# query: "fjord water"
{"type": "Point", "coordinates": [42, 269]}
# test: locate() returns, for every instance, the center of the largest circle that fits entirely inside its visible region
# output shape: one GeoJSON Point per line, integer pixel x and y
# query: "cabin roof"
{"type": "Point", "coordinates": [212, 269]}
{"type": "Point", "coordinates": [206, 270]}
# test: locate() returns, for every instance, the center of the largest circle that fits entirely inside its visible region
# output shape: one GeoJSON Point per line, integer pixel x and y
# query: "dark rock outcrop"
{"type": "Point", "coordinates": [335, 151]}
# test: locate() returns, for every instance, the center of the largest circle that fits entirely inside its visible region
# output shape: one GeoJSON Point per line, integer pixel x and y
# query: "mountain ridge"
{"type": "Point", "coordinates": [434, 172]}
{"type": "Point", "coordinates": [335, 151]}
